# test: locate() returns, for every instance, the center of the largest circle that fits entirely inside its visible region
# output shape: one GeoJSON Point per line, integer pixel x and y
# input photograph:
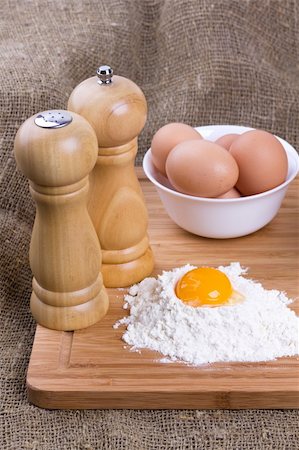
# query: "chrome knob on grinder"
{"type": "Point", "coordinates": [105, 74]}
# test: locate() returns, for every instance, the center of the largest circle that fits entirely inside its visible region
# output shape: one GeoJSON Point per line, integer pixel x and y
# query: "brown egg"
{"type": "Point", "coordinates": [166, 138]}
{"type": "Point", "coordinates": [262, 162]}
{"type": "Point", "coordinates": [201, 168]}
{"type": "Point", "coordinates": [227, 140]}
{"type": "Point", "coordinates": [232, 193]}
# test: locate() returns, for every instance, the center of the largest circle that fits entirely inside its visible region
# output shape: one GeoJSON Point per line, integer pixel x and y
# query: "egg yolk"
{"type": "Point", "coordinates": [204, 286]}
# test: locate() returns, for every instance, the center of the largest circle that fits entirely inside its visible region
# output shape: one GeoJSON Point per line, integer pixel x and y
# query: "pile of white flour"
{"type": "Point", "coordinates": [260, 328]}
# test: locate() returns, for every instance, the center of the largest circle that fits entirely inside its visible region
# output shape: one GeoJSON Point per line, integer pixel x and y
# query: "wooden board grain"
{"type": "Point", "coordinates": [91, 368]}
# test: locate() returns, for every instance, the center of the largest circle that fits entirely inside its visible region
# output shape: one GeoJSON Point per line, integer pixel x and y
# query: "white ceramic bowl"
{"type": "Point", "coordinates": [221, 218]}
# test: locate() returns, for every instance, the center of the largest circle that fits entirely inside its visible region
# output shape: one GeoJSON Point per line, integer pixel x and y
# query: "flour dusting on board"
{"type": "Point", "coordinates": [261, 328]}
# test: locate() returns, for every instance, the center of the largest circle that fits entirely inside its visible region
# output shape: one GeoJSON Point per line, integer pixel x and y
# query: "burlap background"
{"type": "Point", "coordinates": [200, 62]}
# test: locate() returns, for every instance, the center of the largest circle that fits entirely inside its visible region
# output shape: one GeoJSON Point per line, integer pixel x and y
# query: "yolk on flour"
{"type": "Point", "coordinates": [206, 286]}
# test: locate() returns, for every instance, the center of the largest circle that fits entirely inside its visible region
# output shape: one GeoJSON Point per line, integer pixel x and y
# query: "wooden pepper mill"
{"type": "Point", "coordinates": [116, 108]}
{"type": "Point", "coordinates": [57, 150]}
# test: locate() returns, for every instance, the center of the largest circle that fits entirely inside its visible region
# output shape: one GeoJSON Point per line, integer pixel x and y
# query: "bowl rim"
{"type": "Point", "coordinates": [289, 149]}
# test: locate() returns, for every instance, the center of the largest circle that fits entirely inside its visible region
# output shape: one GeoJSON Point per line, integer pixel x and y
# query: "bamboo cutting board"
{"type": "Point", "coordinates": [91, 368]}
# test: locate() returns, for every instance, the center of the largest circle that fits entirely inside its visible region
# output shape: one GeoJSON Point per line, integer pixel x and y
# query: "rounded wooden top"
{"type": "Point", "coordinates": [117, 111]}
{"type": "Point", "coordinates": [55, 155]}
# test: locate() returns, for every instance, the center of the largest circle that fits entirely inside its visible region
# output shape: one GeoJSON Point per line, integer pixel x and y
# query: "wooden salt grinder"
{"type": "Point", "coordinates": [116, 108]}
{"type": "Point", "coordinates": [57, 150]}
